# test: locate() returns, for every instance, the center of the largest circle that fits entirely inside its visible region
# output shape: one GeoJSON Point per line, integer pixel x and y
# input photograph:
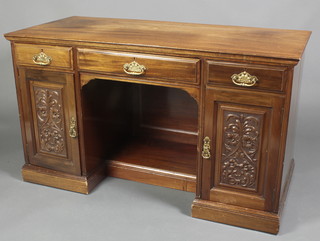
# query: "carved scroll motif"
{"type": "Point", "coordinates": [240, 149]}
{"type": "Point", "coordinates": [50, 120]}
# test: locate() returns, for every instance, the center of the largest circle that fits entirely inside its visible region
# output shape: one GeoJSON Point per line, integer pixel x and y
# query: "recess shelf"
{"type": "Point", "coordinates": [148, 160]}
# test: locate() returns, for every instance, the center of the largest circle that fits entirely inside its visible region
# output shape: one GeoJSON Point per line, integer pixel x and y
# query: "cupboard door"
{"type": "Point", "coordinates": [49, 109]}
{"type": "Point", "coordinates": [241, 148]}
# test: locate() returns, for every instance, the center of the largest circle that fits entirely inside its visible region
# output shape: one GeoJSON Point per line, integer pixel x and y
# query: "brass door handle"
{"type": "Point", "coordinates": [73, 128]}
{"type": "Point", "coordinates": [244, 79]}
{"type": "Point", "coordinates": [206, 148]}
{"type": "Point", "coordinates": [42, 59]}
{"type": "Point", "coordinates": [134, 68]}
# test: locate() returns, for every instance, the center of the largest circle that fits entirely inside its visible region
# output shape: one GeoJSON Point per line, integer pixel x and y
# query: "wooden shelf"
{"type": "Point", "coordinates": [149, 160]}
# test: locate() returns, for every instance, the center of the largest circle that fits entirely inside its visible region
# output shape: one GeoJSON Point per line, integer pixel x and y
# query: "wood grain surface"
{"type": "Point", "coordinates": [287, 44]}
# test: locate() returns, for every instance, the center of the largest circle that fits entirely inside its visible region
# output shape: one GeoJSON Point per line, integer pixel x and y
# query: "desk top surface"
{"type": "Point", "coordinates": [249, 41]}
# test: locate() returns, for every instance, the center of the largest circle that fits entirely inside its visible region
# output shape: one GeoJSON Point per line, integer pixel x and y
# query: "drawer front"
{"type": "Point", "coordinates": [44, 55]}
{"type": "Point", "coordinates": [246, 76]}
{"type": "Point", "coordinates": [153, 67]}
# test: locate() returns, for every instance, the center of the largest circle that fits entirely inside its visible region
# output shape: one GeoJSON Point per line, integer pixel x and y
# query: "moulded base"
{"type": "Point", "coordinates": [153, 176]}
{"type": "Point", "coordinates": [243, 217]}
{"type": "Point", "coordinates": [47, 177]}
{"type": "Point", "coordinates": [237, 216]}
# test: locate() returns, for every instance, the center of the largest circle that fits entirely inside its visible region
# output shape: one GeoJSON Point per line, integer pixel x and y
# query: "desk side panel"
{"type": "Point", "coordinates": [292, 107]}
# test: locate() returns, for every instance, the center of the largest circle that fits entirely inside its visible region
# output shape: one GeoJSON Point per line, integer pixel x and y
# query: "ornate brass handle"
{"type": "Point", "coordinates": [73, 128]}
{"type": "Point", "coordinates": [206, 148]}
{"type": "Point", "coordinates": [244, 79]}
{"type": "Point", "coordinates": [134, 68]}
{"type": "Point", "coordinates": [42, 59]}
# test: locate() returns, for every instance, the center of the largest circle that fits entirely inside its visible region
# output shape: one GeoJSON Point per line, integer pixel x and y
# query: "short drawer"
{"type": "Point", "coordinates": [246, 76]}
{"type": "Point", "coordinates": [154, 67]}
{"type": "Point", "coordinates": [43, 55]}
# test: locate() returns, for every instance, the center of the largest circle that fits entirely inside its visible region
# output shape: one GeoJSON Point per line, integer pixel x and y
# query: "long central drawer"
{"type": "Point", "coordinates": [146, 66]}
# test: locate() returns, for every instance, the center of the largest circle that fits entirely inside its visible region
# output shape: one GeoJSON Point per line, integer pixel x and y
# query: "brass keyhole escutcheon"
{"type": "Point", "coordinates": [73, 128]}
{"type": "Point", "coordinates": [206, 148]}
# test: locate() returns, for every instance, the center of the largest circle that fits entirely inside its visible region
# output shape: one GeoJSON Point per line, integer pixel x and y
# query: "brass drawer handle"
{"type": "Point", "coordinates": [73, 128]}
{"type": "Point", "coordinates": [42, 59]}
{"type": "Point", "coordinates": [244, 79]}
{"type": "Point", "coordinates": [206, 148]}
{"type": "Point", "coordinates": [134, 68]}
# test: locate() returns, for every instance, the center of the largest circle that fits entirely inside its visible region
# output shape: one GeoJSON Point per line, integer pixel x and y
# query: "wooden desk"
{"type": "Point", "coordinates": [201, 108]}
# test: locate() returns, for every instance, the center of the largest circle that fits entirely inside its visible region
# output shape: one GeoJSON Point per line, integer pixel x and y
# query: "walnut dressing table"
{"type": "Point", "coordinates": [202, 108]}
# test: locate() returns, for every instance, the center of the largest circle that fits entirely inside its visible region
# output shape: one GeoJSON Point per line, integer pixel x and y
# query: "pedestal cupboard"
{"type": "Point", "coordinates": [201, 108]}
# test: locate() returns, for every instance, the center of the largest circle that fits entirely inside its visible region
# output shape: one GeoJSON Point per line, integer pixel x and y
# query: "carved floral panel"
{"type": "Point", "coordinates": [241, 149]}
{"type": "Point", "coordinates": [50, 120]}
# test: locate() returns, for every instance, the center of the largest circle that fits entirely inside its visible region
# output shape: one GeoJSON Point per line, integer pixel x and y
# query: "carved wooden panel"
{"type": "Point", "coordinates": [240, 149]}
{"type": "Point", "coordinates": [50, 120]}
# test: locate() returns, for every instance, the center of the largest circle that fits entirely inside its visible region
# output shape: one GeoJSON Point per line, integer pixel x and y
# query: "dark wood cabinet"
{"type": "Point", "coordinates": [200, 108]}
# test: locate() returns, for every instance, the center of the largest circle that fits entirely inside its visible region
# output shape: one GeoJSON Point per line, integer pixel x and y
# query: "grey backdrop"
{"type": "Point", "coordinates": [122, 210]}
